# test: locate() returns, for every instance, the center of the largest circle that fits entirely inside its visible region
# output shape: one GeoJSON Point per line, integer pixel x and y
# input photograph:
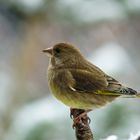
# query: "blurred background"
{"type": "Point", "coordinates": [108, 34]}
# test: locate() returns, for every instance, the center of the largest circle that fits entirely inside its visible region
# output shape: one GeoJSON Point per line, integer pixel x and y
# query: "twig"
{"type": "Point", "coordinates": [82, 129]}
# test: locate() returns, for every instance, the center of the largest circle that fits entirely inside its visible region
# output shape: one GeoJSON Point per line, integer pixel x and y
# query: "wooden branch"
{"type": "Point", "coordinates": [82, 128]}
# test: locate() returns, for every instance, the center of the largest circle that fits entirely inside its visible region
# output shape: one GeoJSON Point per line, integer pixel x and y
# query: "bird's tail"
{"type": "Point", "coordinates": [132, 92]}
{"type": "Point", "coordinates": [124, 92]}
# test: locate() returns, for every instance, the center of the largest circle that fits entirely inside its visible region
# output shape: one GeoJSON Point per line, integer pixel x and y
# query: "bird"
{"type": "Point", "coordinates": [78, 83]}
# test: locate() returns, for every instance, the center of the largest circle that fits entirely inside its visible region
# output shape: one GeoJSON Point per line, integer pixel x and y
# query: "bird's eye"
{"type": "Point", "coordinates": [57, 50]}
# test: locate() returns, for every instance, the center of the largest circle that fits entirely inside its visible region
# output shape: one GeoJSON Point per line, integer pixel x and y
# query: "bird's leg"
{"type": "Point", "coordinates": [82, 116]}
{"type": "Point", "coordinates": [79, 116]}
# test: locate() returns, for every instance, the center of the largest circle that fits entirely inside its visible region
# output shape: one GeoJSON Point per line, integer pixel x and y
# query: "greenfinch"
{"type": "Point", "coordinates": [78, 83]}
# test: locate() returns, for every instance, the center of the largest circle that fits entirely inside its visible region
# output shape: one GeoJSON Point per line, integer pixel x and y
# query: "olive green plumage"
{"type": "Point", "coordinates": [79, 84]}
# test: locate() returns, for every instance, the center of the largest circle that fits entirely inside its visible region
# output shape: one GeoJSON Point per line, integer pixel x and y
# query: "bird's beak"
{"type": "Point", "coordinates": [49, 51]}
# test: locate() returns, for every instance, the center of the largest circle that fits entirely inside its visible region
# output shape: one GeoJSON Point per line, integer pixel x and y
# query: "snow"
{"type": "Point", "coordinates": [131, 137]}
{"type": "Point", "coordinates": [113, 137]}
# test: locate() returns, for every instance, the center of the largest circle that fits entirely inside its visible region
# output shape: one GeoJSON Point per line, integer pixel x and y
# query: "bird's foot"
{"type": "Point", "coordinates": [79, 119]}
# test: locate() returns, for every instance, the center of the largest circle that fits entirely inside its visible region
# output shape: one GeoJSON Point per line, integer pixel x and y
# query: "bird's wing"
{"type": "Point", "coordinates": [116, 89]}
{"type": "Point", "coordinates": [85, 81]}
{"type": "Point", "coordinates": [79, 80]}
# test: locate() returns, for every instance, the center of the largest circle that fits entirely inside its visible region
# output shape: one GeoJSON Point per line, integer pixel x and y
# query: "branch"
{"type": "Point", "coordinates": [82, 129]}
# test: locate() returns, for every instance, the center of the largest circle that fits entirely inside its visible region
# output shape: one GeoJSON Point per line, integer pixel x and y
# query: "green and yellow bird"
{"type": "Point", "coordinates": [78, 83]}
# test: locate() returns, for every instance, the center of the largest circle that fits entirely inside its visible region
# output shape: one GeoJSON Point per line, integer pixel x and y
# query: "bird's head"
{"type": "Point", "coordinates": [63, 53]}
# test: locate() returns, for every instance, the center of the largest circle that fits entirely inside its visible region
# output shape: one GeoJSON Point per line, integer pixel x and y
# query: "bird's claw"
{"type": "Point", "coordinates": [78, 120]}
{"type": "Point", "coordinates": [71, 116]}
{"type": "Point", "coordinates": [71, 113]}
{"type": "Point", "coordinates": [89, 120]}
